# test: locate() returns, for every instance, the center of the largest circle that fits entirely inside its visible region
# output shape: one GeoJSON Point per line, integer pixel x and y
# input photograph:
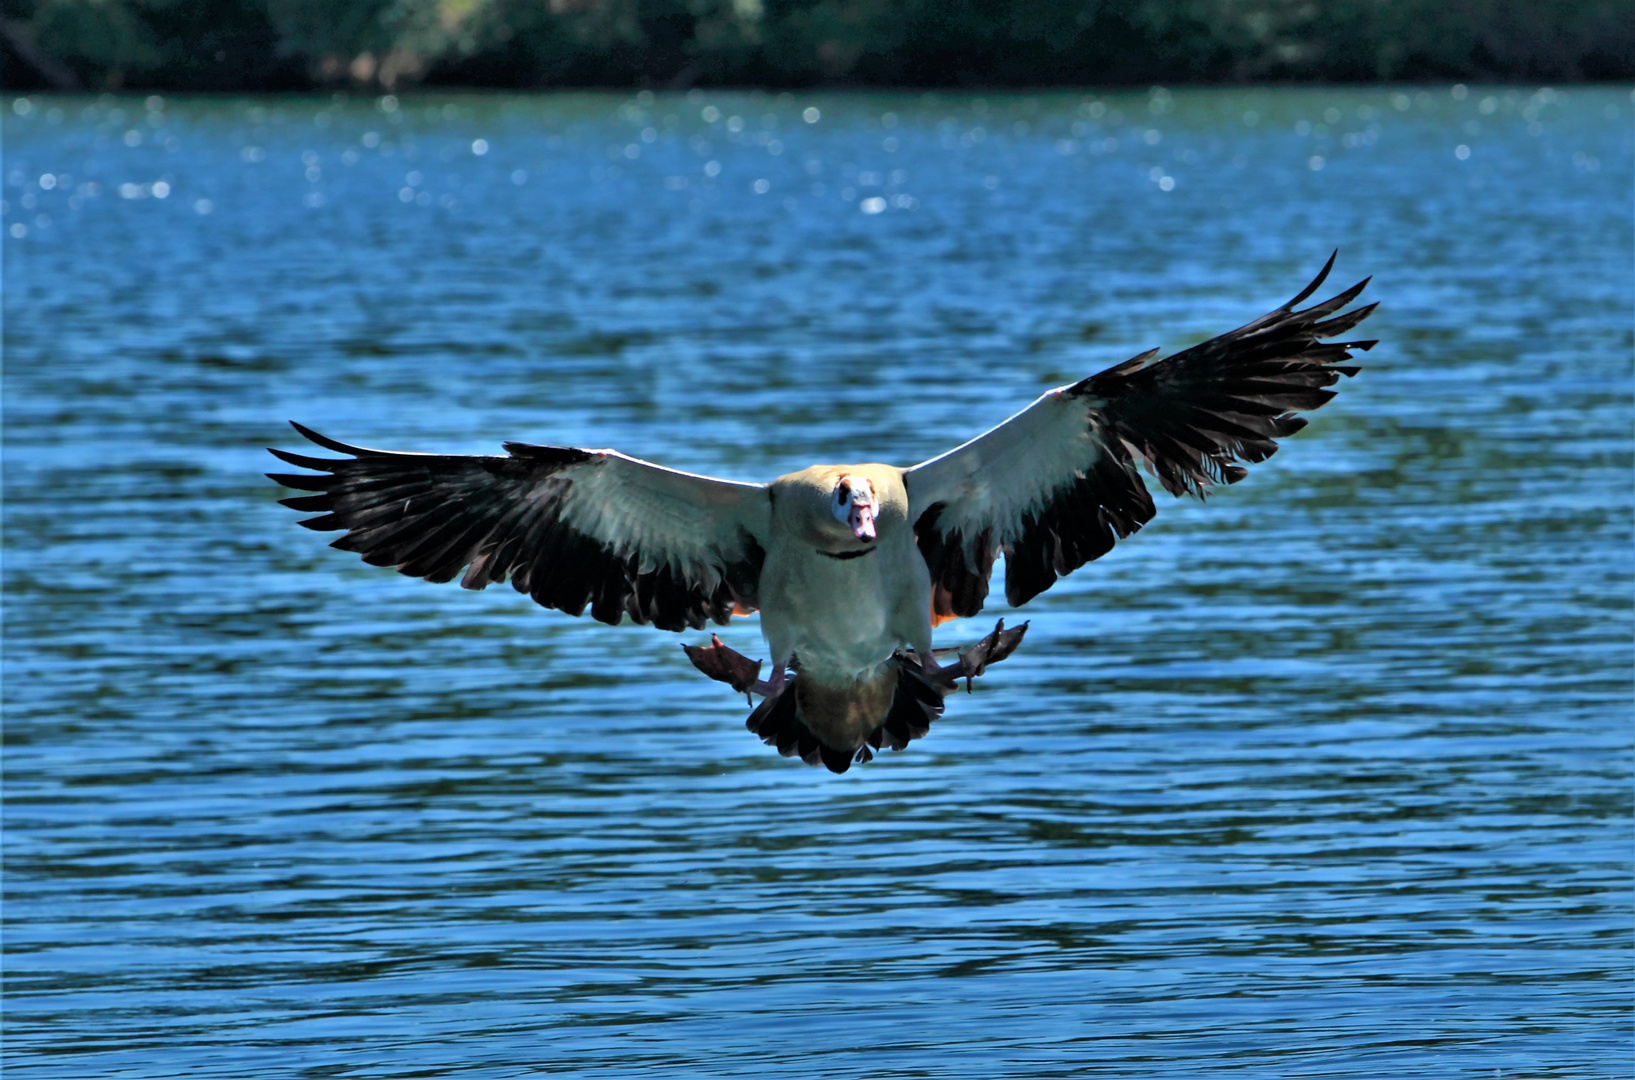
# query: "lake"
{"type": "Point", "coordinates": [1329, 776]}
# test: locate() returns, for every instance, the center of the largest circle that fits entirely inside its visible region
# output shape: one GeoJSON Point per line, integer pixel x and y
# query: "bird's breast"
{"type": "Point", "coordinates": [834, 613]}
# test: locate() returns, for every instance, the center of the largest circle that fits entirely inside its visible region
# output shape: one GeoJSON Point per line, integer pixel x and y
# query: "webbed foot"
{"type": "Point", "coordinates": [734, 668]}
{"type": "Point", "coordinates": [724, 665]}
{"type": "Point", "coordinates": [975, 660]}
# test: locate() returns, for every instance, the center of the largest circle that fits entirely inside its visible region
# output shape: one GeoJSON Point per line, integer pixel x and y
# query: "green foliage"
{"type": "Point", "coordinates": [208, 44]}
{"type": "Point", "coordinates": [272, 44]}
{"type": "Point", "coordinates": [600, 42]}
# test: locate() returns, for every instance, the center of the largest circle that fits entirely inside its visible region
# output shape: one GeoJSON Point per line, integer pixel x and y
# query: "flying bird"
{"type": "Point", "coordinates": [850, 566]}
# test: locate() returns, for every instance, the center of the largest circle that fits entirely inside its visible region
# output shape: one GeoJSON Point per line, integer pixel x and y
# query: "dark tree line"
{"type": "Point", "coordinates": [306, 44]}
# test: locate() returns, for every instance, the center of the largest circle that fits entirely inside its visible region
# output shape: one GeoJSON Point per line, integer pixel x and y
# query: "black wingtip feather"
{"type": "Point", "coordinates": [1333, 303]}
{"type": "Point", "coordinates": [433, 515]}
{"type": "Point", "coordinates": [1134, 363]}
{"type": "Point", "coordinates": [301, 461]}
{"type": "Point", "coordinates": [301, 481]}
{"type": "Point", "coordinates": [1193, 419]}
{"type": "Point", "coordinates": [330, 444]}
{"type": "Point", "coordinates": [1316, 282]}
{"type": "Point", "coordinates": [1339, 324]}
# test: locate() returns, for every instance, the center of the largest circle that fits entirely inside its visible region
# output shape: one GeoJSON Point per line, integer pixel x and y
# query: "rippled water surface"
{"type": "Point", "coordinates": [1327, 777]}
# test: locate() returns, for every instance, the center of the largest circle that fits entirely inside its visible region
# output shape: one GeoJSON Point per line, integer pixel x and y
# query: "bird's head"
{"type": "Point", "coordinates": [854, 504]}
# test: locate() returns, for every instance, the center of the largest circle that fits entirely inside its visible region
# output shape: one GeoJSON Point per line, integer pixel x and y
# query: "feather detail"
{"type": "Point", "coordinates": [571, 528]}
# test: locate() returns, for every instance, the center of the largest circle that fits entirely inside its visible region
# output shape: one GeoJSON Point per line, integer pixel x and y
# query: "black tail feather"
{"type": "Point", "coordinates": [915, 705]}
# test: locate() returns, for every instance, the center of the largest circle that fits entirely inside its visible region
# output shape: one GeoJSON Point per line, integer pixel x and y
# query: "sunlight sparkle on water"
{"type": "Point", "coordinates": [1224, 805]}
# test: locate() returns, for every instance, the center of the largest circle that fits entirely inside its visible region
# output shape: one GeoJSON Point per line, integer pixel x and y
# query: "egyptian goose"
{"type": "Point", "coordinates": [849, 565]}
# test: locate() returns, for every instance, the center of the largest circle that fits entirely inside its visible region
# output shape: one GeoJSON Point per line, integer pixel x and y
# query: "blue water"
{"type": "Point", "coordinates": [1327, 777]}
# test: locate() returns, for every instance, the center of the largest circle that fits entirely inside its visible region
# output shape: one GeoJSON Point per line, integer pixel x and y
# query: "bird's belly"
{"type": "Point", "coordinates": [835, 618]}
{"type": "Point", "coordinates": [854, 640]}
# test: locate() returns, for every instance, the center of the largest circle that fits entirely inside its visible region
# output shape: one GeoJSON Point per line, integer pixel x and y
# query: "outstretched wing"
{"type": "Point", "coordinates": [569, 527]}
{"type": "Point", "coordinates": [1057, 484]}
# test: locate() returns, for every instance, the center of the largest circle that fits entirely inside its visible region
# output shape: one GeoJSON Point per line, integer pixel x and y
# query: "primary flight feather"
{"type": "Point", "coordinates": [850, 566]}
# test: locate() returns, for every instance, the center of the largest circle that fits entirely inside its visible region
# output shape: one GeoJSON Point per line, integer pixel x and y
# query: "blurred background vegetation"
{"type": "Point", "coordinates": [385, 44]}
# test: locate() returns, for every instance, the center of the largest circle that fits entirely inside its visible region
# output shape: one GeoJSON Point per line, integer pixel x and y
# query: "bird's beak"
{"type": "Point", "coordinates": [861, 520]}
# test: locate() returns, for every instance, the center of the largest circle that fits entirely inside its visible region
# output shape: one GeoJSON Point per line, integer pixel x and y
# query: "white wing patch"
{"type": "Point", "coordinates": [990, 483]}
{"type": "Point", "coordinates": [662, 516]}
